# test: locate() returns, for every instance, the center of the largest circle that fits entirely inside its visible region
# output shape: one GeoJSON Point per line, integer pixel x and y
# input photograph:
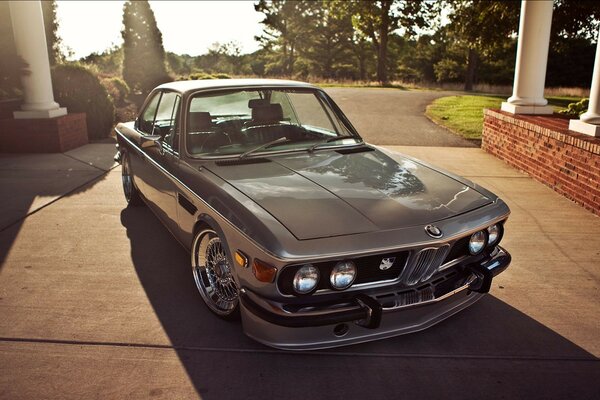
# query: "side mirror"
{"type": "Point", "coordinates": [150, 141]}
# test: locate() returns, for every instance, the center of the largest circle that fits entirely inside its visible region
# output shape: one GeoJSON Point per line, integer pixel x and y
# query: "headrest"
{"type": "Point", "coordinates": [199, 121]}
{"type": "Point", "coordinates": [267, 114]}
{"type": "Point", "coordinates": [257, 103]}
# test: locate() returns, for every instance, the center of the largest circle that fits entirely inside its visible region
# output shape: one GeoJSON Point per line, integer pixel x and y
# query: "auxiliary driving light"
{"type": "Point", "coordinates": [343, 275]}
{"type": "Point", "coordinates": [477, 242]}
{"type": "Point", "coordinates": [306, 279]}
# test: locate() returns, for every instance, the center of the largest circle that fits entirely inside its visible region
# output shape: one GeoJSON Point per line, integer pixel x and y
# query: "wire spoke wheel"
{"type": "Point", "coordinates": [212, 273]}
{"type": "Point", "coordinates": [127, 181]}
{"type": "Point", "coordinates": [132, 195]}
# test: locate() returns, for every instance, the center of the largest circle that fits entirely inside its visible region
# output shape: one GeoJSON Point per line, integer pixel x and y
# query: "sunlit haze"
{"type": "Point", "coordinates": [187, 27]}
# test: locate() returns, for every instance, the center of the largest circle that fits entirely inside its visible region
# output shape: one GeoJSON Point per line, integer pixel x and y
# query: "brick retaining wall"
{"type": "Point", "coordinates": [46, 135]}
{"type": "Point", "coordinates": [543, 147]}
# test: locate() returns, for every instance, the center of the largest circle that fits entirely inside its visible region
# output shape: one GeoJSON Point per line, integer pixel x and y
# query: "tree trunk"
{"type": "Point", "coordinates": [383, 42]}
{"type": "Point", "coordinates": [472, 61]}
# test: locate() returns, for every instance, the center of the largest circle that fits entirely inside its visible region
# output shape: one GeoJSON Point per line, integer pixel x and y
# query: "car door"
{"type": "Point", "coordinates": [164, 158]}
{"type": "Point", "coordinates": [144, 127]}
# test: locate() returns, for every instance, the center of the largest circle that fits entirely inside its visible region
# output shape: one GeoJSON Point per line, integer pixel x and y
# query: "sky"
{"type": "Point", "coordinates": [187, 27]}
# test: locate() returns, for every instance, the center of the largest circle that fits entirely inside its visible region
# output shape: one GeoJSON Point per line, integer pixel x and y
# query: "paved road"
{"type": "Point", "coordinates": [97, 301]}
{"type": "Point", "coordinates": [395, 117]}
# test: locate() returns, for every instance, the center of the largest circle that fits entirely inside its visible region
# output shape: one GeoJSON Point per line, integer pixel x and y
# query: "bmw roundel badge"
{"type": "Point", "coordinates": [433, 231]}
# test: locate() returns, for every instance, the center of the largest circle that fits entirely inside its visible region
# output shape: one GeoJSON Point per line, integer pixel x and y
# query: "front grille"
{"type": "Point", "coordinates": [424, 264]}
{"type": "Point", "coordinates": [368, 267]}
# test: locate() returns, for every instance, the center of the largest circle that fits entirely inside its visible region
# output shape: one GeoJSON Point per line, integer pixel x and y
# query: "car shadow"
{"type": "Point", "coordinates": [490, 350]}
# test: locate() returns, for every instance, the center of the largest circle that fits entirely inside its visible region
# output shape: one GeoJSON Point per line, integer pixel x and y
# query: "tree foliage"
{"type": "Point", "coordinates": [80, 90]}
{"type": "Point", "coordinates": [481, 28]}
{"type": "Point", "coordinates": [286, 25]}
{"type": "Point", "coordinates": [466, 41]}
{"type": "Point", "coordinates": [53, 41]}
{"type": "Point", "coordinates": [377, 20]}
{"type": "Point", "coordinates": [143, 53]}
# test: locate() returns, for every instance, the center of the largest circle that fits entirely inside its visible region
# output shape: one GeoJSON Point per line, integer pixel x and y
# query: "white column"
{"type": "Point", "coordinates": [532, 58]}
{"type": "Point", "coordinates": [589, 122]}
{"type": "Point", "coordinates": [30, 42]}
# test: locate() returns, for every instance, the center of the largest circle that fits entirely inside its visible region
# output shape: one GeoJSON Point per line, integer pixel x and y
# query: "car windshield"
{"type": "Point", "coordinates": [251, 121]}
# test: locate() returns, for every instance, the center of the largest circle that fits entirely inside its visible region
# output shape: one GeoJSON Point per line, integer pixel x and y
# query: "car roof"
{"type": "Point", "coordinates": [188, 86]}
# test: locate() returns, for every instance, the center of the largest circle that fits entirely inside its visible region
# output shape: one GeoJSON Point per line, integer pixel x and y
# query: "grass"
{"type": "Point", "coordinates": [463, 115]}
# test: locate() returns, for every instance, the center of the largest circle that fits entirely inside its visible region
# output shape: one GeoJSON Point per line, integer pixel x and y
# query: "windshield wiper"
{"type": "Point", "coordinates": [264, 146]}
{"type": "Point", "coordinates": [329, 140]}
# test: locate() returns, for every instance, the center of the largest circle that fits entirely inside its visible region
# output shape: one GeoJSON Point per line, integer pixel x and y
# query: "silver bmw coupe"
{"type": "Point", "coordinates": [313, 237]}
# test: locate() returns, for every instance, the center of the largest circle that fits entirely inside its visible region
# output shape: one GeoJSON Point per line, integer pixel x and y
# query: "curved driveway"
{"type": "Point", "coordinates": [394, 117]}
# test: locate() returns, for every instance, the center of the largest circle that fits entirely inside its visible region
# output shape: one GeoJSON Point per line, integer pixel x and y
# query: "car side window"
{"type": "Point", "coordinates": [146, 121]}
{"type": "Point", "coordinates": [166, 120]}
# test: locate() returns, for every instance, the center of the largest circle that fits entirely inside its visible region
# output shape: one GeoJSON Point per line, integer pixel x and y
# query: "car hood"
{"type": "Point", "coordinates": [329, 193]}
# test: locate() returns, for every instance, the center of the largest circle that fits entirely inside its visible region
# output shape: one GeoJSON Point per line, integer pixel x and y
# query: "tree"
{"type": "Point", "coordinates": [576, 19]}
{"type": "Point", "coordinates": [481, 27]}
{"type": "Point", "coordinates": [53, 41]}
{"type": "Point", "coordinates": [329, 49]}
{"type": "Point", "coordinates": [143, 52]}
{"type": "Point", "coordinates": [108, 62]}
{"type": "Point", "coordinates": [378, 19]}
{"type": "Point", "coordinates": [575, 27]}
{"type": "Point", "coordinates": [286, 24]}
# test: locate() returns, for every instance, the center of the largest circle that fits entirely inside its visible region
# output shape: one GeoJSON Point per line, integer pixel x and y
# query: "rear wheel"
{"type": "Point", "coordinates": [213, 274]}
{"type": "Point", "coordinates": [132, 195]}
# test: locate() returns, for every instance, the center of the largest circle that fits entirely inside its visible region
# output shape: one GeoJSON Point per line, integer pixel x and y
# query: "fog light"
{"type": "Point", "coordinates": [477, 242]}
{"type": "Point", "coordinates": [494, 234]}
{"type": "Point", "coordinates": [306, 279]}
{"type": "Point", "coordinates": [342, 275]}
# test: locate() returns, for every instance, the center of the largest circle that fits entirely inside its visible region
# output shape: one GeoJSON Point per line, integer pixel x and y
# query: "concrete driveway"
{"type": "Point", "coordinates": [97, 301]}
{"type": "Point", "coordinates": [395, 117]}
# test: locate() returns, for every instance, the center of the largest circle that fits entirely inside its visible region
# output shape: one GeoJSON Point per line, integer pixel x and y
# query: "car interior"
{"type": "Point", "coordinates": [208, 134]}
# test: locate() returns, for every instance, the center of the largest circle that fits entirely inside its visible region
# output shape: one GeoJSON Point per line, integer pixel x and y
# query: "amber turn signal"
{"type": "Point", "coordinates": [241, 259]}
{"type": "Point", "coordinates": [263, 271]}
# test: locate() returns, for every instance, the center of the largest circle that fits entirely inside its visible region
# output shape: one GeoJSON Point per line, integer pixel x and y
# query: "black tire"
{"type": "Point", "coordinates": [132, 194]}
{"type": "Point", "coordinates": [213, 275]}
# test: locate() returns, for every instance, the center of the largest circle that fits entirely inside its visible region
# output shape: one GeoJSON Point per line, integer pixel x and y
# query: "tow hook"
{"type": "Point", "coordinates": [374, 311]}
{"type": "Point", "coordinates": [486, 271]}
{"type": "Point", "coordinates": [483, 283]}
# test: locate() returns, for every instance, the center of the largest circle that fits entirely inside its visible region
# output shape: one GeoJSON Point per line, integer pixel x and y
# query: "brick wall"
{"type": "Point", "coordinates": [543, 147]}
{"type": "Point", "coordinates": [48, 135]}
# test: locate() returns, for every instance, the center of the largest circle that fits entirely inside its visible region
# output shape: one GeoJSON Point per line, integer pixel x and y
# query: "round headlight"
{"type": "Point", "coordinates": [306, 279]}
{"type": "Point", "coordinates": [477, 242]}
{"type": "Point", "coordinates": [342, 275]}
{"type": "Point", "coordinates": [493, 234]}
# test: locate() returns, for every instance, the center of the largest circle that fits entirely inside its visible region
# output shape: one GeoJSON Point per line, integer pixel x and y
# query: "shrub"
{"type": "Point", "coordinates": [78, 89]}
{"type": "Point", "coordinates": [221, 76]}
{"type": "Point", "coordinates": [576, 109]}
{"type": "Point", "coordinates": [117, 89]}
{"type": "Point", "coordinates": [196, 76]}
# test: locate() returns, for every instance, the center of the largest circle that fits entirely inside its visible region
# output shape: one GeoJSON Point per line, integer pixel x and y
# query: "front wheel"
{"type": "Point", "coordinates": [132, 195]}
{"type": "Point", "coordinates": [213, 275]}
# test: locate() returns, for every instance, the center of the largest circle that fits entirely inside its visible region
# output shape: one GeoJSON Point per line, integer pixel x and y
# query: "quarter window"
{"type": "Point", "coordinates": [146, 123]}
{"type": "Point", "coordinates": [166, 119]}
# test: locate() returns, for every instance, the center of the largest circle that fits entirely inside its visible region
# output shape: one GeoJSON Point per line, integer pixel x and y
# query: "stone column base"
{"type": "Point", "coordinates": [38, 114]}
{"type": "Point", "coordinates": [578, 125]}
{"type": "Point", "coordinates": [533, 110]}
{"type": "Point", "coordinates": [50, 135]}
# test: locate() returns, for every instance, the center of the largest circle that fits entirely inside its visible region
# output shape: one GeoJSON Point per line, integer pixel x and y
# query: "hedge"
{"type": "Point", "coordinates": [78, 89]}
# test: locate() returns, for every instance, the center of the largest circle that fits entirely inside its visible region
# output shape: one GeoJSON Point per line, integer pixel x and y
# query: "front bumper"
{"type": "Point", "coordinates": [364, 317]}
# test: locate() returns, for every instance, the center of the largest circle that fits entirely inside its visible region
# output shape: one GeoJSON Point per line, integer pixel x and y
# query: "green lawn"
{"type": "Point", "coordinates": [464, 114]}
